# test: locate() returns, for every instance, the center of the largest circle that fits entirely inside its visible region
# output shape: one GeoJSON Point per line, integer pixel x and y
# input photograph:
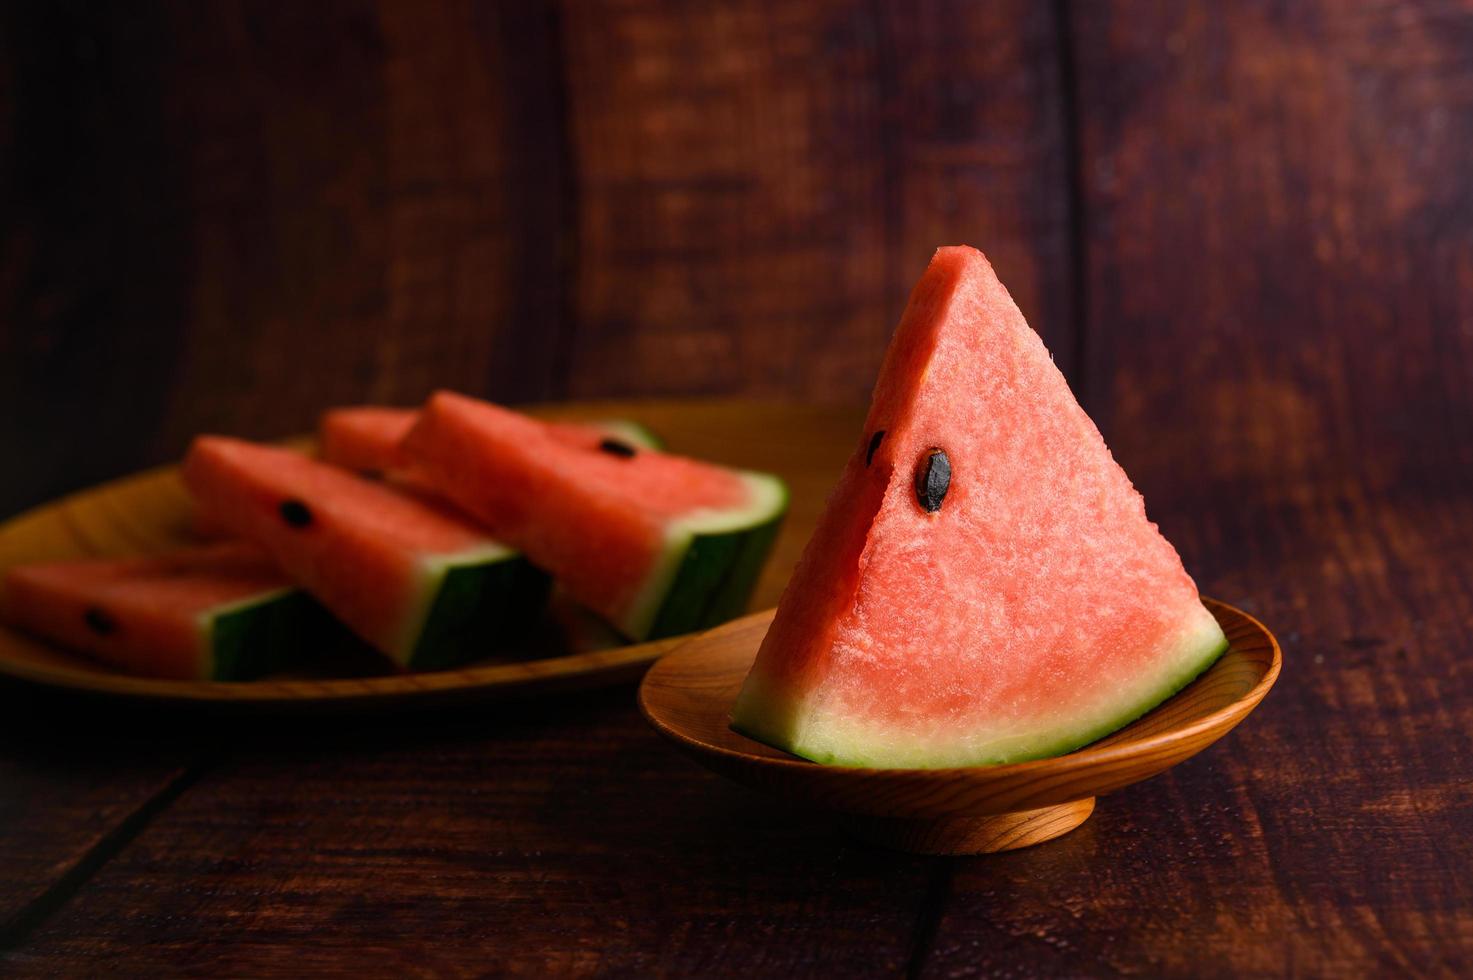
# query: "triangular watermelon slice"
{"type": "Point", "coordinates": [416, 580]}
{"type": "Point", "coordinates": [984, 585]}
{"type": "Point", "coordinates": [220, 613]}
{"type": "Point", "coordinates": [657, 544]}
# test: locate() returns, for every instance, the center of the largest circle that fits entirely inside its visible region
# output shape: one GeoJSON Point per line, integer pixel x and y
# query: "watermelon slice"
{"type": "Point", "coordinates": [415, 580]}
{"type": "Point", "coordinates": [366, 438]}
{"type": "Point", "coordinates": [984, 586]}
{"type": "Point", "coordinates": [656, 544]}
{"type": "Point", "coordinates": [222, 613]}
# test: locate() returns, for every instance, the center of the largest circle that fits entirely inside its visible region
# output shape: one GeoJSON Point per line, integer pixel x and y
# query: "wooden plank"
{"type": "Point", "coordinates": [549, 839]}
{"type": "Point", "coordinates": [977, 153]}
{"type": "Point", "coordinates": [477, 213]}
{"type": "Point", "coordinates": [77, 780]}
{"type": "Point", "coordinates": [232, 215]}
{"type": "Point", "coordinates": [1277, 266]}
{"type": "Point", "coordinates": [91, 239]}
{"type": "Point", "coordinates": [75, 796]}
{"type": "Point", "coordinates": [759, 185]}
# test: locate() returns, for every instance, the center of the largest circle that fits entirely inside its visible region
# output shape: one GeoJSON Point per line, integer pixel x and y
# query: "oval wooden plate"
{"type": "Point", "coordinates": [151, 512]}
{"type": "Point", "coordinates": [688, 697]}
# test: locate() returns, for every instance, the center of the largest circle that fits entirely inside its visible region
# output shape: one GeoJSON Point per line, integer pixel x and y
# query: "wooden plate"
{"type": "Point", "coordinates": [688, 697]}
{"type": "Point", "coordinates": [151, 512]}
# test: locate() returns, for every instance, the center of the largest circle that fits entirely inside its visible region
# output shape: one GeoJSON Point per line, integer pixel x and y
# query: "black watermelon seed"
{"type": "Point", "coordinates": [296, 513]}
{"type": "Point", "coordinates": [933, 479]}
{"type": "Point", "coordinates": [99, 622]}
{"type": "Point", "coordinates": [616, 448]}
{"type": "Point", "coordinates": [874, 443]}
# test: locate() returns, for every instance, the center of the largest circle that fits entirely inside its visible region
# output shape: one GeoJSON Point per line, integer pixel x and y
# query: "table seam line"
{"type": "Point", "coordinates": [15, 931]}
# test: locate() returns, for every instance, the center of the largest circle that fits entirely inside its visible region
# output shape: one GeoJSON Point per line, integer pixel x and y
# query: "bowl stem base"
{"type": "Point", "coordinates": [971, 835]}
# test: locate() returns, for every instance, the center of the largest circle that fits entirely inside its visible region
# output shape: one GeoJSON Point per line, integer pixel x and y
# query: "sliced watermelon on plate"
{"type": "Point", "coordinates": [984, 585]}
{"type": "Point", "coordinates": [221, 613]}
{"type": "Point", "coordinates": [655, 543]}
{"type": "Point", "coordinates": [417, 581]}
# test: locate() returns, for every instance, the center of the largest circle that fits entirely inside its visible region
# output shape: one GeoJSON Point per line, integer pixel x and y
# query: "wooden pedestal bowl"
{"type": "Point", "coordinates": [688, 697]}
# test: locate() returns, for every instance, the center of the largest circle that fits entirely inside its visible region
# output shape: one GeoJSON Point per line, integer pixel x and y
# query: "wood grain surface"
{"type": "Point", "coordinates": [232, 215]}
{"type": "Point", "coordinates": [74, 794]}
{"type": "Point", "coordinates": [759, 184]}
{"type": "Point", "coordinates": [1244, 229]}
{"type": "Point", "coordinates": [545, 840]}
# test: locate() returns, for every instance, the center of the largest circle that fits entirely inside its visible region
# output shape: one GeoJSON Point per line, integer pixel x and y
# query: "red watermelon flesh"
{"type": "Point", "coordinates": [151, 615]}
{"type": "Point", "coordinates": [1035, 610]}
{"type": "Point", "coordinates": [366, 438]}
{"type": "Point", "coordinates": [376, 557]}
{"type": "Point", "coordinates": [624, 531]}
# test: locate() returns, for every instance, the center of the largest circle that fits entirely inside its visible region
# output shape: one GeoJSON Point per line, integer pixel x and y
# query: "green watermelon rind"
{"type": "Point", "coordinates": [731, 598]}
{"type": "Point", "coordinates": [231, 635]}
{"type": "Point", "coordinates": [710, 564]}
{"type": "Point", "coordinates": [1203, 647]}
{"type": "Point", "coordinates": [477, 606]}
{"type": "Point", "coordinates": [464, 604]}
{"type": "Point", "coordinates": [270, 632]}
{"type": "Point", "coordinates": [476, 601]}
{"type": "Point", "coordinates": [716, 579]}
{"type": "Point", "coordinates": [262, 634]}
{"type": "Point", "coordinates": [632, 432]}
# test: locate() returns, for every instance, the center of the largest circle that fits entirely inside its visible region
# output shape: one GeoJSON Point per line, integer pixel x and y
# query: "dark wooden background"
{"type": "Point", "coordinates": [1245, 230]}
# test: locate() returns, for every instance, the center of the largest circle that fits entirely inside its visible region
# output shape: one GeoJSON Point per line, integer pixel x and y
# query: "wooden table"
{"type": "Point", "coordinates": [1331, 834]}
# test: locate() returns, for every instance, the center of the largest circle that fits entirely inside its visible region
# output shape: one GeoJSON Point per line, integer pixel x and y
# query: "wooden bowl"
{"type": "Point", "coordinates": [689, 693]}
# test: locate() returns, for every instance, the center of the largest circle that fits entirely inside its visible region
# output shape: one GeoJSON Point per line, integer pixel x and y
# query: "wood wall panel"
{"type": "Point", "coordinates": [92, 242]}
{"type": "Point", "coordinates": [380, 214]}
{"type": "Point", "coordinates": [278, 127]}
{"type": "Point", "coordinates": [478, 213]}
{"type": "Point", "coordinates": [1276, 192]}
{"type": "Point", "coordinates": [558, 839]}
{"type": "Point", "coordinates": [978, 151]}
{"type": "Point", "coordinates": [759, 185]}
{"type": "Point", "coordinates": [731, 229]}
{"type": "Point", "coordinates": [228, 216]}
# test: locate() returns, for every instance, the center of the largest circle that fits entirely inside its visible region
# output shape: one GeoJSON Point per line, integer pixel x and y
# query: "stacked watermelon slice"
{"type": "Point", "coordinates": [219, 613]}
{"type": "Point", "coordinates": [382, 541]}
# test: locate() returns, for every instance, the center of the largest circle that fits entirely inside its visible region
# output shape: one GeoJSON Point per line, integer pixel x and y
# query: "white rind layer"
{"type": "Point", "coordinates": [768, 499]}
{"type": "Point", "coordinates": [204, 623]}
{"type": "Point", "coordinates": [430, 576]}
